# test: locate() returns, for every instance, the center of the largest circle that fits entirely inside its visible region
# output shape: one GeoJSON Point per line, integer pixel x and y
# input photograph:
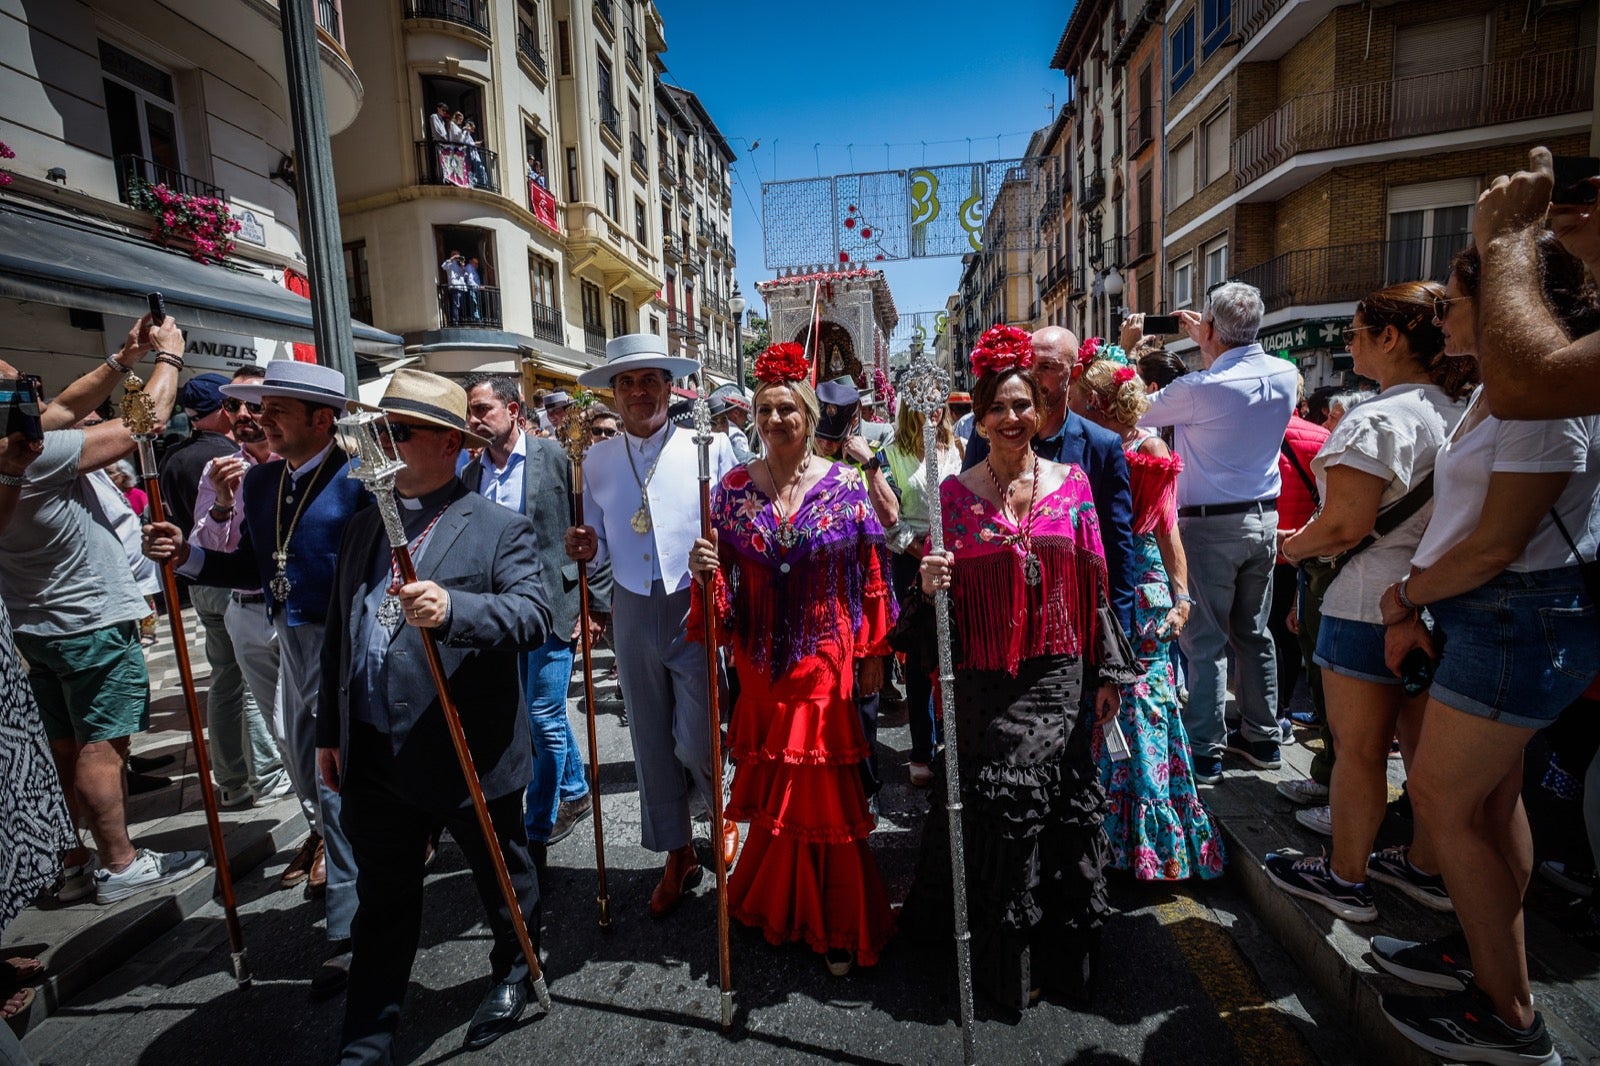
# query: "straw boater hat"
{"type": "Point", "coordinates": [294, 380]}
{"type": "Point", "coordinates": [428, 397]}
{"type": "Point", "coordinates": [556, 400]}
{"type": "Point", "coordinates": [637, 351]}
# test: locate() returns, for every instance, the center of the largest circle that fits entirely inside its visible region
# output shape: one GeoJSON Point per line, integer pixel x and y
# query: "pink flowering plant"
{"type": "Point", "coordinates": [6, 153]}
{"type": "Point", "coordinates": [203, 221]}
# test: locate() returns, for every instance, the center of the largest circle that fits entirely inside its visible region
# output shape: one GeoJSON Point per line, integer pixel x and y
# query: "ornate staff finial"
{"type": "Point", "coordinates": [138, 410]}
{"type": "Point", "coordinates": [702, 414]}
{"type": "Point", "coordinates": [925, 386]}
{"type": "Point", "coordinates": [575, 436]}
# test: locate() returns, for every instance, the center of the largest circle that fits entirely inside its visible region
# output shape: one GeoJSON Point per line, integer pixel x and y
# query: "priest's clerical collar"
{"type": "Point", "coordinates": [429, 501]}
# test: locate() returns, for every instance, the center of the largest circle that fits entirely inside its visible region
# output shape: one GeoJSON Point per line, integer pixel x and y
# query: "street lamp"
{"type": "Point", "coordinates": [1113, 289]}
{"type": "Point", "coordinates": [737, 304]}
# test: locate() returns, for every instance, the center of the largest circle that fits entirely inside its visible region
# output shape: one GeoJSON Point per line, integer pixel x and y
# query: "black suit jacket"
{"type": "Point", "coordinates": [487, 557]}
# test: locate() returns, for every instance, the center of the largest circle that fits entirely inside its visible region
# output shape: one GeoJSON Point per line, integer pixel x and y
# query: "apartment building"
{"type": "Point", "coordinates": [113, 106]}
{"type": "Point", "coordinates": [1322, 150]}
{"type": "Point", "coordinates": [551, 196]}
{"type": "Point", "coordinates": [1055, 280]}
{"type": "Point", "coordinates": [997, 281]}
{"type": "Point", "coordinates": [697, 221]}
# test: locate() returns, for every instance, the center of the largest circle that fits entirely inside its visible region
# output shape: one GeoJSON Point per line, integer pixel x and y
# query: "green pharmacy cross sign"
{"type": "Point", "coordinates": [1287, 341]}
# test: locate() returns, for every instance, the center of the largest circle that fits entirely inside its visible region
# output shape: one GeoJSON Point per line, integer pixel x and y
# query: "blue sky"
{"type": "Point", "coordinates": [807, 80]}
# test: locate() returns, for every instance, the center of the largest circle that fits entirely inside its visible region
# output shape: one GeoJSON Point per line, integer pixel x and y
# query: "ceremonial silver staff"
{"type": "Point", "coordinates": [926, 389]}
{"type": "Point", "coordinates": [702, 443]}
{"type": "Point", "coordinates": [363, 435]}
{"type": "Point", "coordinates": [139, 416]}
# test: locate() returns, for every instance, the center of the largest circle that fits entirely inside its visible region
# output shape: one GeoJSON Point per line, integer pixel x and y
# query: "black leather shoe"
{"type": "Point", "coordinates": [497, 1014]}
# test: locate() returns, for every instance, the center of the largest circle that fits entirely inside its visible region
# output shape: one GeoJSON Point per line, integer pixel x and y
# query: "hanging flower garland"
{"type": "Point", "coordinates": [203, 221]}
{"type": "Point", "coordinates": [6, 153]}
{"type": "Point", "coordinates": [884, 388]}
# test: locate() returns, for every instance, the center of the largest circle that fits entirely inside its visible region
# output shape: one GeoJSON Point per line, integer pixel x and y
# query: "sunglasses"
{"type": "Point", "coordinates": [400, 432]}
{"type": "Point", "coordinates": [232, 406]}
{"type": "Point", "coordinates": [599, 431]}
{"type": "Point", "coordinates": [1441, 305]}
{"type": "Point", "coordinates": [1349, 332]}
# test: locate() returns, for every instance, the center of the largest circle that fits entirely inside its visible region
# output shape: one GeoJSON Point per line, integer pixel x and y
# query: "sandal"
{"type": "Point", "coordinates": [22, 967]}
{"type": "Point", "coordinates": [14, 1011]}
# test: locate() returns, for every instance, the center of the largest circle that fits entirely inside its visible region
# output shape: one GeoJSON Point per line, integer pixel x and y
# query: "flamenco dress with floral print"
{"type": "Point", "coordinates": [798, 607]}
{"type": "Point", "coordinates": [1156, 823]}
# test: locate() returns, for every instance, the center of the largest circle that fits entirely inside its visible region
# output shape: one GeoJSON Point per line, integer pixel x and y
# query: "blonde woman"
{"type": "Point", "coordinates": [1157, 825]}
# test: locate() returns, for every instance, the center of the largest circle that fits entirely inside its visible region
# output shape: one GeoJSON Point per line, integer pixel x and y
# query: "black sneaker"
{"type": "Point", "coordinates": [1259, 753]}
{"type": "Point", "coordinates": [1393, 867]}
{"type": "Point", "coordinates": [1207, 769]}
{"type": "Point", "coordinates": [1463, 1027]}
{"type": "Point", "coordinates": [1309, 877]}
{"type": "Point", "coordinates": [1442, 962]}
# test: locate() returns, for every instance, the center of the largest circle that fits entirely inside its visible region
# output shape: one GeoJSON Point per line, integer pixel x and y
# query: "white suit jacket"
{"type": "Point", "coordinates": [611, 497]}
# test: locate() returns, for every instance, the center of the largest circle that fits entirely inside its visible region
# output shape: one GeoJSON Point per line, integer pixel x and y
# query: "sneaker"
{"type": "Point", "coordinates": [233, 798]}
{"type": "Point", "coordinates": [1573, 879]}
{"type": "Point", "coordinates": [1207, 769]}
{"type": "Point", "coordinates": [568, 814]}
{"type": "Point", "coordinates": [149, 869]}
{"type": "Point", "coordinates": [1306, 718]}
{"type": "Point", "coordinates": [1393, 867]}
{"type": "Point", "coordinates": [1463, 1027]}
{"type": "Point", "coordinates": [277, 792]}
{"type": "Point", "coordinates": [76, 881]}
{"type": "Point", "coordinates": [1303, 791]}
{"type": "Point", "coordinates": [1441, 963]}
{"type": "Point", "coordinates": [1262, 754]}
{"type": "Point", "coordinates": [1317, 819]}
{"type": "Point", "coordinates": [921, 774]}
{"type": "Point", "coordinates": [1285, 731]}
{"type": "Point", "coordinates": [1308, 877]}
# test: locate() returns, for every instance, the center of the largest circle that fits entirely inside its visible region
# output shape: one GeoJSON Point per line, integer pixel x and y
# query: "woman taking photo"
{"type": "Point", "coordinates": [1156, 824]}
{"type": "Point", "coordinates": [800, 592]}
{"type": "Point", "coordinates": [1027, 577]}
{"type": "Point", "coordinates": [1516, 640]}
{"type": "Point", "coordinates": [1378, 460]}
{"type": "Point", "coordinates": [908, 540]}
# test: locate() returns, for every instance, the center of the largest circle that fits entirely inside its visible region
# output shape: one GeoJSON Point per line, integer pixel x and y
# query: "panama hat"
{"type": "Point", "coordinates": [294, 380]}
{"type": "Point", "coordinates": [637, 351]}
{"type": "Point", "coordinates": [429, 397]}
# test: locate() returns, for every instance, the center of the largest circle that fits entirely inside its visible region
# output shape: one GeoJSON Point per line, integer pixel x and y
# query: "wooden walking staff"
{"type": "Point", "coordinates": [702, 443]}
{"type": "Point", "coordinates": [139, 415]}
{"type": "Point", "coordinates": [926, 388]}
{"type": "Point", "coordinates": [376, 468]}
{"type": "Point", "coordinates": [575, 439]}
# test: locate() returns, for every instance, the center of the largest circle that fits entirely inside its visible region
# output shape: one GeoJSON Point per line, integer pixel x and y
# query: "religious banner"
{"type": "Point", "coordinates": [543, 205]}
{"type": "Point", "coordinates": [453, 165]}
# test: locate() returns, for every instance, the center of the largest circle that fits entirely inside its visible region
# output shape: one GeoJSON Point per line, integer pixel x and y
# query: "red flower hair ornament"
{"type": "Point", "coordinates": [782, 363]}
{"type": "Point", "coordinates": [1002, 348]}
{"type": "Point", "coordinates": [1123, 375]}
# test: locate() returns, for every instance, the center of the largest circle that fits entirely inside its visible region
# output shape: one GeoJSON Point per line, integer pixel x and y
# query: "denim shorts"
{"type": "Point", "coordinates": [1517, 649]}
{"type": "Point", "coordinates": [1353, 649]}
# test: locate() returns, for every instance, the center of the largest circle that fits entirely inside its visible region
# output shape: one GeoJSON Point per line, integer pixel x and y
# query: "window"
{"type": "Point", "coordinates": [1428, 224]}
{"type": "Point", "coordinates": [1180, 52]}
{"type": "Point", "coordinates": [542, 281]}
{"type": "Point", "coordinates": [564, 48]}
{"type": "Point", "coordinates": [1424, 104]}
{"type": "Point", "coordinates": [142, 118]}
{"type": "Point", "coordinates": [1182, 286]}
{"type": "Point", "coordinates": [356, 282]}
{"type": "Point", "coordinates": [1215, 161]}
{"type": "Point", "coordinates": [635, 121]}
{"type": "Point", "coordinates": [528, 23]}
{"type": "Point", "coordinates": [573, 192]}
{"type": "Point", "coordinates": [619, 317]}
{"type": "Point", "coordinates": [611, 195]}
{"type": "Point", "coordinates": [641, 228]}
{"type": "Point", "coordinates": [1181, 162]}
{"type": "Point", "coordinates": [655, 324]}
{"type": "Point", "coordinates": [1216, 23]}
{"type": "Point", "coordinates": [1216, 261]}
{"type": "Point", "coordinates": [603, 78]}
{"type": "Point", "coordinates": [536, 149]}
{"type": "Point", "coordinates": [593, 320]}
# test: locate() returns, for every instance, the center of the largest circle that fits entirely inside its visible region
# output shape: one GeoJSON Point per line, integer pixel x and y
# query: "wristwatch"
{"type": "Point", "coordinates": [872, 465]}
{"type": "Point", "coordinates": [12, 480]}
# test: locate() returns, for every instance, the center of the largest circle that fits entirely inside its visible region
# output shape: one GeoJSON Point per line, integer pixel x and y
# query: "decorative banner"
{"type": "Point", "coordinates": [453, 165]}
{"type": "Point", "coordinates": [543, 205]}
{"type": "Point", "coordinates": [862, 219]}
{"type": "Point", "coordinates": [916, 330]}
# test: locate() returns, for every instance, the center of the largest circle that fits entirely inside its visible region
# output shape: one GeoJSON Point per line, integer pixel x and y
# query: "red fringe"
{"type": "Point", "coordinates": [1153, 481]}
{"type": "Point", "coordinates": [1002, 620]}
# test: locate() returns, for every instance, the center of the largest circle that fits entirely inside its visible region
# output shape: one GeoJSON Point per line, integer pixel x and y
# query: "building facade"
{"type": "Point", "coordinates": [843, 318]}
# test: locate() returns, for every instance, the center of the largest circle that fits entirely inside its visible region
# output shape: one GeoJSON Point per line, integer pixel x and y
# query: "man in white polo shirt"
{"type": "Point", "coordinates": [1230, 419]}
{"type": "Point", "coordinates": [644, 514]}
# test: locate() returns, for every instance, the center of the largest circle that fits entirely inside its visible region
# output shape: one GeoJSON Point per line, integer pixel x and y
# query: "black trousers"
{"type": "Point", "coordinates": [389, 835]}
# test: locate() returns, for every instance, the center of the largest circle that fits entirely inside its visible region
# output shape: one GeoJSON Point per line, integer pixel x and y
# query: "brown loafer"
{"type": "Point", "coordinates": [300, 866]}
{"type": "Point", "coordinates": [730, 842]}
{"type": "Point", "coordinates": [682, 872]}
{"type": "Point", "coordinates": [317, 879]}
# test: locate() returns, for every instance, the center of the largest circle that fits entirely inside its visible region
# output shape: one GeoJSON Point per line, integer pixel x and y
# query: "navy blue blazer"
{"type": "Point", "coordinates": [485, 556]}
{"type": "Point", "coordinates": [1099, 452]}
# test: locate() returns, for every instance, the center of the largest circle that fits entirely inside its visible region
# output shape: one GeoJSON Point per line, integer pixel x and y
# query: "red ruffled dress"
{"type": "Point", "coordinates": [796, 619]}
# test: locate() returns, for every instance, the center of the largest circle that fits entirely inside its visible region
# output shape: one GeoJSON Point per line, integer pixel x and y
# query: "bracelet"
{"type": "Point", "coordinates": [1182, 597]}
{"type": "Point", "coordinates": [1400, 594]}
{"type": "Point", "coordinates": [118, 366]}
{"type": "Point", "coordinates": [172, 359]}
{"type": "Point", "coordinates": [14, 481]}
{"type": "Point", "coordinates": [221, 511]}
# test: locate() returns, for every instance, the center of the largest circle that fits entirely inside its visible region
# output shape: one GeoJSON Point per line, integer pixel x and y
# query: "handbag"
{"type": "Point", "coordinates": [914, 631]}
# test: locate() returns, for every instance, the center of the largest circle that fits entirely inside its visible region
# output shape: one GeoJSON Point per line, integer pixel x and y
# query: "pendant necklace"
{"type": "Point", "coordinates": [1032, 569]}
{"type": "Point", "coordinates": [788, 534]}
{"type": "Point", "coordinates": [390, 614]}
{"type": "Point", "coordinates": [280, 586]}
{"type": "Point", "coordinates": [641, 518]}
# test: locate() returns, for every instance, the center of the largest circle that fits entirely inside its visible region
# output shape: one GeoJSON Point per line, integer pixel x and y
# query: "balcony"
{"type": "Point", "coordinates": [135, 175]}
{"type": "Point", "coordinates": [474, 14]}
{"type": "Point", "coordinates": [1250, 15]}
{"type": "Point", "coordinates": [610, 118]}
{"type": "Point", "coordinates": [361, 307]}
{"type": "Point", "coordinates": [714, 303]}
{"type": "Point", "coordinates": [1143, 242]}
{"type": "Point", "coordinates": [630, 48]}
{"type": "Point", "coordinates": [639, 153]}
{"type": "Point", "coordinates": [459, 165]}
{"type": "Point", "coordinates": [702, 232]}
{"type": "Point", "coordinates": [1346, 273]}
{"type": "Point", "coordinates": [671, 250]}
{"type": "Point", "coordinates": [594, 339]}
{"type": "Point", "coordinates": [1142, 130]}
{"type": "Point", "coordinates": [606, 15]}
{"type": "Point", "coordinates": [719, 245]}
{"type": "Point", "coordinates": [1077, 282]}
{"type": "Point", "coordinates": [469, 308]}
{"type": "Point", "coordinates": [692, 267]}
{"type": "Point", "coordinates": [1094, 190]}
{"type": "Point", "coordinates": [1528, 87]}
{"type": "Point", "coordinates": [547, 324]}
{"type": "Point", "coordinates": [699, 163]}
{"type": "Point", "coordinates": [664, 167]}
{"type": "Point", "coordinates": [329, 18]}
{"type": "Point", "coordinates": [528, 50]}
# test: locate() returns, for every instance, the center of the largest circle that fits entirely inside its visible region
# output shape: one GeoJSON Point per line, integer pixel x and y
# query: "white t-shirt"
{"type": "Point", "coordinates": [1543, 447]}
{"type": "Point", "coordinates": [1394, 437]}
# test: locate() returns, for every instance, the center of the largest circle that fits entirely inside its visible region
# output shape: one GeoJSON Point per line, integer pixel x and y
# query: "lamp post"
{"type": "Point", "coordinates": [737, 304]}
{"type": "Point", "coordinates": [1113, 290]}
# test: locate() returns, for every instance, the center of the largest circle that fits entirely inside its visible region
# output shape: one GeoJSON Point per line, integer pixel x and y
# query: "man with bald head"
{"type": "Point", "coordinates": [1065, 437]}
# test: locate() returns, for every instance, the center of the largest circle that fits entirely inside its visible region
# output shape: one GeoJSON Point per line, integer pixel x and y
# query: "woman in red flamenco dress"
{"type": "Point", "coordinates": [799, 572]}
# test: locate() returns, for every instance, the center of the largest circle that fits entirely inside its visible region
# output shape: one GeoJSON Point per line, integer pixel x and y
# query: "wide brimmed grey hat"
{"type": "Point", "coordinates": [637, 351]}
{"type": "Point", "coordinates": [434, 399]}
{"type": "Point", "coordinates": [294, 380]}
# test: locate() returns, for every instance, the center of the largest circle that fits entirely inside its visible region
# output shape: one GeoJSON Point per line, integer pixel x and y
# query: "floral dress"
{"type": "Point", "coordinates": [1156, 823]}
{"type": "Point", "coordinates": [798, 607]}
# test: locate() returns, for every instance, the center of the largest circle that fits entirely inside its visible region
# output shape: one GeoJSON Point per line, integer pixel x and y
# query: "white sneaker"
{"type": "Point", "coordinates": [77, 881]}
{"type": "Point", "coordinates": [149, 869]}
{"type": "Point", "coordinates": [1316, 819]}
{"type": "Point", "coordinates": [921, 774]}
{"type": "Point", "coordinates": [276, 792]}
{"type": "Point", "coordinates": [1305, 791]}
{"type": "Point", "coordinates": [233, 798]}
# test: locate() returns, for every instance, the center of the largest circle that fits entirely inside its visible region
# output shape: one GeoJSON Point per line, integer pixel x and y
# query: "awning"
{"type": "Point", "coordinates": [52, 259]}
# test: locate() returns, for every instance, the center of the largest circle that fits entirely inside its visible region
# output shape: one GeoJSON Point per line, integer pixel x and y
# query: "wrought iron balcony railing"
{"type": "Point", "coordinates": [135, 174]}
{"type": "Point", "coordinates": [473, 13]}
{"type": "Point", "coordinates": [469, 308]}
{"type": "Point", "coordinates": [461, 165]}
{"type": "Point", "coordinates": [1345, 273]}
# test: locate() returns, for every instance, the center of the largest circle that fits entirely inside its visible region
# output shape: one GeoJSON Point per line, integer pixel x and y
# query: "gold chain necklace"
{"type": "Point", "coordinates": [788, 533]}
{"type": "Point", "coordinates": [1032, 570]}
{"type": "Point", "coordinates": [279, 585]}
{"type": "Point", "coordinates": [641, 518]}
